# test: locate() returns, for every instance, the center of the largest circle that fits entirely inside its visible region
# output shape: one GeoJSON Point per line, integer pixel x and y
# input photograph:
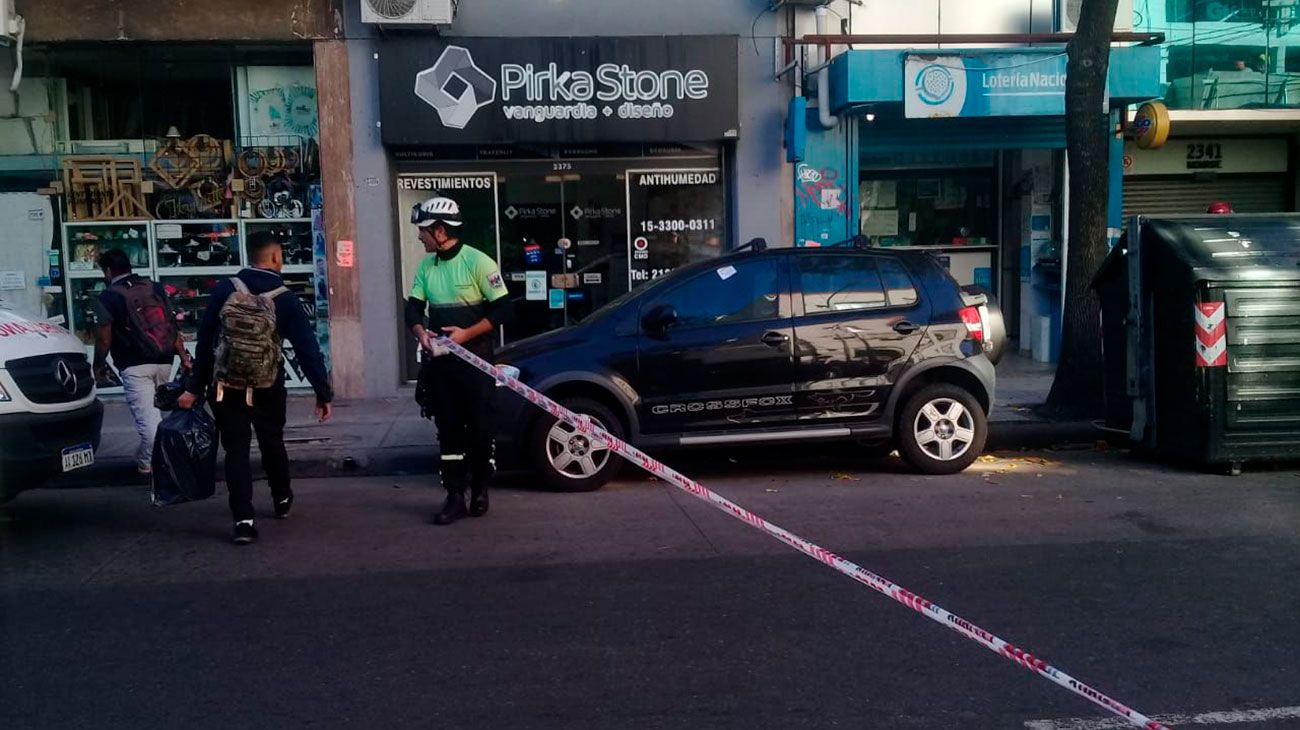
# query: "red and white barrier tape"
{"type": "Point", "coordinates": [939, 615]}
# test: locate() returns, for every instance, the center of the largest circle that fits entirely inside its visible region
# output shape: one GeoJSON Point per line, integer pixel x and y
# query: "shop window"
{"type": "Point", "coordinates": [175, 155]}
{"type": "Point", "coordinates": [928, 207]}
{"type": "Point", "coordinates": [841, 284]}
{"type": "Point", "coordinates": [1215, 11]}
{"type": "Point", "coordinates": [742, 292]}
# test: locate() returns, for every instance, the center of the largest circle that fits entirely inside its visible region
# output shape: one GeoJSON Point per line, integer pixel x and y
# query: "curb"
{"type": "Point", "coordinates": [423, 460]}
{"type": "Point", "coordinates": [398, 461]}
{"type": "Point", "coordinates": [1017, 435]}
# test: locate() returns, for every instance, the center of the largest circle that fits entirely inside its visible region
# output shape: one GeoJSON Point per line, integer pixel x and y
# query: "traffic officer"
{"type": "Point", "coordinates": [458, 293]}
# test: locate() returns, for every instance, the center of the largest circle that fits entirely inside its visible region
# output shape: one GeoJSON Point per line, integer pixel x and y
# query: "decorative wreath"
{"type": "Point", "coordinates": [252, 163]}
{"type": "Point", "coordinates": [254, 189]}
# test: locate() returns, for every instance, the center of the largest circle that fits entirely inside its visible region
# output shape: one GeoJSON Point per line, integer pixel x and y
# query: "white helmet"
{"type": "Point", "coordinates": [436, 210]}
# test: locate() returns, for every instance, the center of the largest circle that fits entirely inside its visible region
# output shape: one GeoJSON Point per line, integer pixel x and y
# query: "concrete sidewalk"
{"type": "Point", "coordinates": [374, 436]}
{"type": "Point", "coordinates": [387, 436]}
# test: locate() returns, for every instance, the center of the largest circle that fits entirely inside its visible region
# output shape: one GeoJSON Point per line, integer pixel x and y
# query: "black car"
{"type": "Point", "coordinates": [781, 346]}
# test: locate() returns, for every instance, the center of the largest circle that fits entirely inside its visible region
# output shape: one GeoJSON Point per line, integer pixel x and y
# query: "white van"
{"type": "Point", "coordinates": [49, 415]}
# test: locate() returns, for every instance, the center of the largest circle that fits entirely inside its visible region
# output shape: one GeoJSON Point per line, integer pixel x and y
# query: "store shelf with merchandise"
{"type": "Point", "coordinates": [297, 236]}
{"type": "Point", "coordinates": [84, 241]}
{"type": "Point", "coordinates": [188, 246]}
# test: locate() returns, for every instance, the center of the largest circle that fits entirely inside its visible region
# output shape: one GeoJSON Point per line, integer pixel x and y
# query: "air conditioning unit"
{"type": "Point", "coordinates": [406, 12]}
{"type": "Point", "coordinates": [1068, 15]}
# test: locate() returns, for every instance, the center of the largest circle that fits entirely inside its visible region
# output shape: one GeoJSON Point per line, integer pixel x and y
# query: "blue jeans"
{"type": "Point", "coordinates": [140, 382]}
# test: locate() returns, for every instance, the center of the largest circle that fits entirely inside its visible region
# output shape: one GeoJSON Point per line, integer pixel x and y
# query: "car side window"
{"type": "Point", "coordinates": [744, 291]}
{"type": "Point", "coordinates": [898, 284]}
{"type": "Point", "coordinates": [840, 284]}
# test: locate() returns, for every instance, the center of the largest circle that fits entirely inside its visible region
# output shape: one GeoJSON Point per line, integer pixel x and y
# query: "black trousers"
{"type": "Point", "coordinates": [465, 414]}
{"type": "Point", "coordinates": [237, 421]}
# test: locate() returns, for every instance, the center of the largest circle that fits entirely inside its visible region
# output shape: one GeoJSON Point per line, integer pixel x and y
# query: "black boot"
{"type": "Point", "coordinates": [478, 501]}
{"type": "Point", "coordinates": [453, 509]}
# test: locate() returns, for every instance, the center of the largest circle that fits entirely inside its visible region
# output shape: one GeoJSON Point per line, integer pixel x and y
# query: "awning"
{"type": "Point", "coordinates": [1003, 82]}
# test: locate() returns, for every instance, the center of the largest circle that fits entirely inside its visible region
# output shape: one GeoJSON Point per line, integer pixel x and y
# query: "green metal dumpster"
{"type": "Point", "coordinates": [1201, 329]}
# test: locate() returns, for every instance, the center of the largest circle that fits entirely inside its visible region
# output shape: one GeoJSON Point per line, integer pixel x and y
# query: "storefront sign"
{"type": "Point", "coordinates": [1218, 155]}
{"type": "Point", "coordinates": [1151, 125]}
{"type": "Point", "coordinates": [984, 85]}
{"type": "Point", "coordinates": [438, 91]}
{"type": "Point", "coordinates": [673, 219]}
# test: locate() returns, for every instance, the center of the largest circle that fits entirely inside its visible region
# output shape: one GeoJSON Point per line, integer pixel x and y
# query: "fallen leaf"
{"type": "Point", "coordinates": [845, 477]}
{"type": "Point", "coordinates": [988, 458]}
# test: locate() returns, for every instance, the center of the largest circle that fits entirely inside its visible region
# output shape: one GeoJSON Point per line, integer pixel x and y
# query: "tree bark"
{"type": "Point", "coordinates": [1079, 384]}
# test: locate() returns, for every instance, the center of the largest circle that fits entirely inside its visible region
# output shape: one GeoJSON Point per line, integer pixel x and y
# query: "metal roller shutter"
{"type": "Point", "coordinates": [1182, 195]}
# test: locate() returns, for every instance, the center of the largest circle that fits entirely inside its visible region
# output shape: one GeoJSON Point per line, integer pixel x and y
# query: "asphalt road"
{"type": "Point", "coordinates": [638, 606]}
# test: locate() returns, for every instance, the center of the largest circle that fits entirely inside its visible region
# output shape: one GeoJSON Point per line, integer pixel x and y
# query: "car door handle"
{"type": "Point", "coordinates": [775, 339]}
{"type": "Point", "coordinates": [905, 328]}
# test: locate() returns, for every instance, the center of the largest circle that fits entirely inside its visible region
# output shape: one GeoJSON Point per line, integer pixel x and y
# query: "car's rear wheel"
{"type": "Point", "coordinates": [568, 461]}
{"type": "Point", "coordinates": [942, 429]}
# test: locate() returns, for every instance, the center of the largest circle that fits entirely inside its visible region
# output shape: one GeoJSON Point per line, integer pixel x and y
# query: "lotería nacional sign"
{"type": "Point", "coordinates": [984, 85]}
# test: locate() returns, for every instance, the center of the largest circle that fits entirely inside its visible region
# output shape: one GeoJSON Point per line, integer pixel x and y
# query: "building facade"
{"type": "Point", "coordinates": [593, 146]}
{"type": "Point", "coordinates": [173, 132]}
{"type": "Point", "coordinates": [985, 186]}
{"type": "Point", "coordinates": [597, 145]}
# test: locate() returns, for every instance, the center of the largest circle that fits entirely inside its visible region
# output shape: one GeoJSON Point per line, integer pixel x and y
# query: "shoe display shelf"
{"type": "Point", "coordinates": [188, 257]}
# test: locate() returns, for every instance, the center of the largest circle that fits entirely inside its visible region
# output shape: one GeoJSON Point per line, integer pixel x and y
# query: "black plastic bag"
{"type": "Point", "coordinates": [165, 397]}
{"type": "Point", "coordinates": [185, 457]}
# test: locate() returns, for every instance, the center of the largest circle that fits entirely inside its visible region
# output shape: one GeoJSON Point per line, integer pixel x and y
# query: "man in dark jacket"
{"type": "Point", "coordinates": [262, 411]}
{"type": "Point", "coordinates": [142, 370]}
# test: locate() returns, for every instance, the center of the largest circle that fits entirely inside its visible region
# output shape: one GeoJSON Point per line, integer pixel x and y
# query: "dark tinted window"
{"type": "Point", "coordinates": [898, 285]}
{"type": "Point", "coordinates": [839, 284]}
{"type": "Point", "coordinates": [739, 292]}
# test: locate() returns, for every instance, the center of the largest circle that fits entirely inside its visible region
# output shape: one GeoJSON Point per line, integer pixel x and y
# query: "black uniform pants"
{"type": "Point", "coordinates": [465, 414]}
{"type": "Point", "coordinates": [236, 421]}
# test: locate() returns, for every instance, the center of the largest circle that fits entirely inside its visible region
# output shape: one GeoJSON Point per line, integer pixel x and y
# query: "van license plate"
{"type": "Point", "coordinates": [78, 457]}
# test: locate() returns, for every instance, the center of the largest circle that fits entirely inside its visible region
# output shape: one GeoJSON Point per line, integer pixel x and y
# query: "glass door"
{"type": "Point", "coordinates": [563, 242]}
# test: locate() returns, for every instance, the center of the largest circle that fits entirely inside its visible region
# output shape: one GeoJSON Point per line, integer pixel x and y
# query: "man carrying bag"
{"type": "Point", "coordinates": [238, 361]}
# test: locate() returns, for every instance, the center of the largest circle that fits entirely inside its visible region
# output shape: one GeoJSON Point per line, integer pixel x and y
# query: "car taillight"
{"type": "Point", "coordinates": [970, 316]}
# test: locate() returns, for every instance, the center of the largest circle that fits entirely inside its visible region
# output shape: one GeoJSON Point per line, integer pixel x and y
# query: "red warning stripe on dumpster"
{"type": "Point", "coordinates": [1211, 335]}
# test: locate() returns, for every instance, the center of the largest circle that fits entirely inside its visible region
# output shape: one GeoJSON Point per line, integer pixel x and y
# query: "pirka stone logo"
{"type": "Point", "coordinates": [455, 87]}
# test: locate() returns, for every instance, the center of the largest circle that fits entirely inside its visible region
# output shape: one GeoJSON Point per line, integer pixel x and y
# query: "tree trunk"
{"type": "Point", "coordinates": [1078, 387]}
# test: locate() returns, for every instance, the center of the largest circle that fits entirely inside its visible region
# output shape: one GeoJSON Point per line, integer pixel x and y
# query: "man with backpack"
{"type": "Point", "coordinates": [137, 325]}
{"type": "Point", "coordinates": [239, 365]}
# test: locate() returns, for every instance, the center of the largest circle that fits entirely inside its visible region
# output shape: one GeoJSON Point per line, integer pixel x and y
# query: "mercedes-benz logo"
{"type": "Point", "coordinates": [66, 377]}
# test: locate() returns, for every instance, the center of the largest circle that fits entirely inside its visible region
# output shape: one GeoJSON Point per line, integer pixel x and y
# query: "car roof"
{"type": "Point", "coordinates": [809, 251]}
{"type": "Point", "coordinates": [746, 255]}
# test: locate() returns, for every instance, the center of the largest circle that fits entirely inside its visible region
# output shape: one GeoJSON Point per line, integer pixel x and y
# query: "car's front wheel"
{"type": "Point", "coordinates": [569, 461]}
{"type": "Point", "coordinates": [941, 430]}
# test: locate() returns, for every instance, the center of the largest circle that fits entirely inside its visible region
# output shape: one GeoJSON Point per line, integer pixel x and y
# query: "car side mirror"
{"type": "Point", "coordinates": [659, 318]}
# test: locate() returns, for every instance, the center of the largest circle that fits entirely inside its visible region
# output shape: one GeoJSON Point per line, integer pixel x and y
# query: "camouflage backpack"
{"type": "Point", "coordinates": [248, 351]}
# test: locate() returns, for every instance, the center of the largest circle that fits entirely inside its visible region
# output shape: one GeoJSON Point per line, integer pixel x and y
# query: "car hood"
{"type": "Point", "coordinates": [23, 337]}
{"type": "Point", "coordinates": [547, 342]}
